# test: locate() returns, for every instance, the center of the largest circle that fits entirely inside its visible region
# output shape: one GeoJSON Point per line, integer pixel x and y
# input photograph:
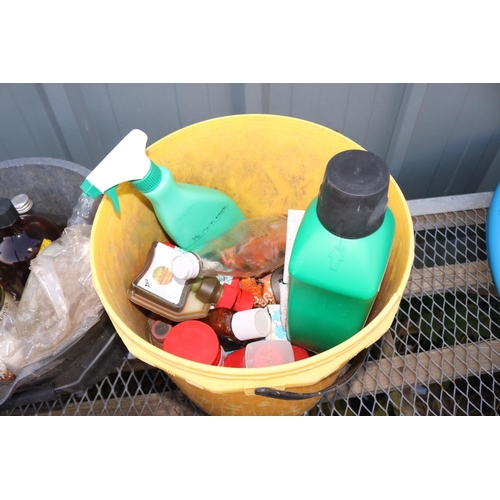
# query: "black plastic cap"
{"type": "Point", "coordinates": [352, 199]}
{"type": "Point", "coordinates": [8, 213]}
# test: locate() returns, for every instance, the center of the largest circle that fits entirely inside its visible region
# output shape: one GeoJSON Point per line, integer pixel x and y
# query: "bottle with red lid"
{"type": "Point", "coordinates": [195, 341]}
{"type": "Point", "coordinates": [222, 295]}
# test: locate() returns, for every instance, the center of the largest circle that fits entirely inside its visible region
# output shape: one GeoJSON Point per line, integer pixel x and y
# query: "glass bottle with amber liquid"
{"type": "Point", "coordinates": [237, 328]}
{"type": "Point", "coordinates": [25, 206]}
{"type": "Point", "coordinates": [22, 237]}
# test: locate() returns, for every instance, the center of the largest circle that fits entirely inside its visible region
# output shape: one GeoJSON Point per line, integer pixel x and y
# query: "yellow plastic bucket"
{"type": "Point", "coordinates": [268, 164]}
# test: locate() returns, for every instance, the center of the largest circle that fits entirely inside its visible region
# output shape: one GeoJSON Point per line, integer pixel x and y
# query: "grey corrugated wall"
{"type": "Point", "coordinates": [438, 139]}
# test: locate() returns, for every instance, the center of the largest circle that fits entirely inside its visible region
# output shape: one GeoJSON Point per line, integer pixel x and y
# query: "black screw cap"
{"type": "Point", "coordinates": [352, 198]}
{"type": "Point", "coordinates": [8, 213]}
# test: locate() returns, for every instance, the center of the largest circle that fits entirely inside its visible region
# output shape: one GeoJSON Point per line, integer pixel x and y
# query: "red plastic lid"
{"type": "Point", "coordinates": [299, 353]}
{"type": "Point", "coordinates": [236, 359]}
{"type": "Point", "coordinates": [244, 301]}
{"type": "Point", "coordinates": [228, 297]}
{"type": "Point", "coordinates": [195, 341]}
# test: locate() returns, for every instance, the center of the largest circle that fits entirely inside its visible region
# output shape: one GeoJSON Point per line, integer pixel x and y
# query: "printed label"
{"type": "Point", "coordinates": [159, 278]}
{"type": "Point", "coordinates": [209, 226]}
{"type": "Point", "coordinates": [278, 331]}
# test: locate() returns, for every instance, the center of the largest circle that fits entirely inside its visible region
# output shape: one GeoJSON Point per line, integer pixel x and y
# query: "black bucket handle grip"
{"type": "Point", "coordinates": [354, 365]}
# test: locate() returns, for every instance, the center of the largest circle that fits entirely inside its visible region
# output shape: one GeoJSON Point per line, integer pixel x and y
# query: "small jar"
{"type": "Point", "coordinates": [195, 341]}
{"type": "Point", "coordinates": [158, 331]}
{"type": "Point", "coordinates": [236, 359]}
{"type": "Point", "coordinates": [267, 353]}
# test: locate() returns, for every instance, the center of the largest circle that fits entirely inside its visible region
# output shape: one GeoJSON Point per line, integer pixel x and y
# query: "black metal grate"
{"type": "Point", "coordinates": [440, 356]}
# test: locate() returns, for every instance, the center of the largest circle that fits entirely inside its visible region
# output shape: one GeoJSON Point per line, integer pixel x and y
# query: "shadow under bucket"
{"type": "Point", "coordinates": [267, 164]}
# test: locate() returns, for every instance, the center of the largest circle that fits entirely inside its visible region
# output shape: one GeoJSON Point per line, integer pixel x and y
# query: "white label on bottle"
{"type": "Point", "coordinates": [159, 278]}
{"type": "Point", "coordinates": [293, 222]}
{"type": "Point", "coordinates": [292, 226]}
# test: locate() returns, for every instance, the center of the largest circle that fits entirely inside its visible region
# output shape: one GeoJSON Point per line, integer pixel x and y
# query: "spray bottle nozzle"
{"type": "Point", "coordinates": [90, 190]}
{"type": "Point", "coordinates": [127, 161]}
{"type": "Point", "coordinates": [113, 195]}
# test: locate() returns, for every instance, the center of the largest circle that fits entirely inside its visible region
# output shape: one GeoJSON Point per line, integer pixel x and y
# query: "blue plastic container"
{"type": "Point", "coordinates": [493, 236]}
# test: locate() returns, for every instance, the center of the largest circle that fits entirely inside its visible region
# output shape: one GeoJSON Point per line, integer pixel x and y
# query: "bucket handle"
{"type": "Point", "coordinates": [354, 364]}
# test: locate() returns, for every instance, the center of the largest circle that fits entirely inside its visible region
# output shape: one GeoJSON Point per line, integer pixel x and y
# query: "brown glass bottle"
{"type": "Point", "coordinates": [238, 328]}
{"type": "Point", "coordinates": [21, 238]}
{"type": "Point", "coordinates": [220, 321]}
{"type": "Point", "coordinates": [24, 206]}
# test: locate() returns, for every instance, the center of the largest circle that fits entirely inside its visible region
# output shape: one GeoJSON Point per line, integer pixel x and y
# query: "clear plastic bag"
{"type": "Point", "coordinates": [58, 305]}
{"type": "Point", "coordinates": [252, 248]}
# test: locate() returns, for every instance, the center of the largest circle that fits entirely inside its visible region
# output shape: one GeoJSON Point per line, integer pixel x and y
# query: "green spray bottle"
{"type": "Point", "coordinates": [340, 253]}
{"type": "Point", "coordinates": [190, 214]}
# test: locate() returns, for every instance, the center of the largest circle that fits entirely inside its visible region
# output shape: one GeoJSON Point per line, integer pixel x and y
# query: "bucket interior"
{"type": "Point", "coordinates": [268, 164]}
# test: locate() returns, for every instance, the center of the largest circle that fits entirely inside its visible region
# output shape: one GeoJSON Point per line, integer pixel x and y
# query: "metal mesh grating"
{"type": "Point", "coordinates": [440, 356]}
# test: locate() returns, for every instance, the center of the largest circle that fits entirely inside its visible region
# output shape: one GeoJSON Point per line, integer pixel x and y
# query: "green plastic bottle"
{"type": "Point", "coordinates": [190, 214]}
{"type": "Point", "coordinates": [340, 253]}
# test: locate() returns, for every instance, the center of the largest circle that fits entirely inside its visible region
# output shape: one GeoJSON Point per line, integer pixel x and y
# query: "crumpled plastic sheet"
{"type": "Point", "coordinates": [58, 305]}
{"type": "Point", "coordinates": [253, 247]}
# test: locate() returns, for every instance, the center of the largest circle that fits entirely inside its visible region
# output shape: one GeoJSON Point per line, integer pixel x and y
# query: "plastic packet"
{"type": "Point", "coordinates": [253, 247]}
{"type": "Point", "coordinates": [58, 305]}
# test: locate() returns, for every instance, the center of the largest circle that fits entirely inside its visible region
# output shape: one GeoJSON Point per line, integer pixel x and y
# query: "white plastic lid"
{"type": "Point", "coordinates": [186, 266]}
{"type": "Point", "coordinates": [266, 353]}
{"type": "Point", "coordinates": [251, 324]}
